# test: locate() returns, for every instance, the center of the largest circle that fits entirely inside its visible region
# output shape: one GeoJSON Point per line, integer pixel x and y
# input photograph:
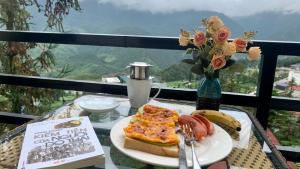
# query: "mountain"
{"type": "Point", "coordinates": [110, 19]}
{"type": "Point", "coordinates": [93, 62]}
{"type": "Point", "coordinates": [107, 18]}
{"type": "Point", "coordinates": [273, 25]}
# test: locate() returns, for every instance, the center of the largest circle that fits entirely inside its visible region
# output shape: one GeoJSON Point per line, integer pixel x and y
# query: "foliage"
{"type": "Point", "coordinates": [239, 82]}
{"type": "Point", "coordinates": [286, 127]}
{"type": "Point", "coordinates": [15, 58]}
{"type": "Point", "coordinates": [176, 72]}
{"type": "Point", "coordinates": [287, 61]}
{"type": "Point", "coordinates": [54, 10]}
{"type": "Point", "coordinates": [211, 50]}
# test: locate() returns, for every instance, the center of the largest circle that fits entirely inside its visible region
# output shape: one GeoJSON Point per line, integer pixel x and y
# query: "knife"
{"type": "Point", "coordinates": [182, 155]}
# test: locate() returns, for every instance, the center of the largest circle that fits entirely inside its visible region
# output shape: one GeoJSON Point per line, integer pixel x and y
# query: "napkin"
{"type": "Point", "coordinates": [245, 132]}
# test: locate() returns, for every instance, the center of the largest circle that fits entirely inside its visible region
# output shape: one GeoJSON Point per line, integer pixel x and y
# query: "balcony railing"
{"type": "Point", "coordinates": [262, 101]}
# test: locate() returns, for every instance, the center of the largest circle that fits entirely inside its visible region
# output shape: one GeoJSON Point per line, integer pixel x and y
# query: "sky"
{"type": "Point", "coordinates": [228, 7]}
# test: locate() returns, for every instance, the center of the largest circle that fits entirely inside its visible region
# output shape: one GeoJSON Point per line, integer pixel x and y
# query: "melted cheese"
{"type": "Point", "coordinates": [154, 125]}
{"type": "Point", "coordinates": [152, 133]}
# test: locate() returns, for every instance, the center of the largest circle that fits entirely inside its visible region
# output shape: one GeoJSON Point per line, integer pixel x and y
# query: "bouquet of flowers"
{"type": "Point", "coordinates": [211, 50]}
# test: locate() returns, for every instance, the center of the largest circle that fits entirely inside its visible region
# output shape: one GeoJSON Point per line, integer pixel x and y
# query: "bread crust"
{"type": "Point", "coordinates": [169, 151]}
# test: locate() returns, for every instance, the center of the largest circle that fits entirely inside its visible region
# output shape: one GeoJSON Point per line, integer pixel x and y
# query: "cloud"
{"type": "Point", "coordinates": [228, 7]}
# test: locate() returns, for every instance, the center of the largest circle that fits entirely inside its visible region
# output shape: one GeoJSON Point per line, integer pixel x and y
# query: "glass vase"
{"type": "Point", "coordinates": [208, 93]}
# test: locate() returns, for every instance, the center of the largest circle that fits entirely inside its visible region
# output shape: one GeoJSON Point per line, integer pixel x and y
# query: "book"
{"type": "Point", "coordinates": [61, 144]}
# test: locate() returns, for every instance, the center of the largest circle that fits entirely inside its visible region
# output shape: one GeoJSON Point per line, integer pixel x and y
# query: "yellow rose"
{"type": "Point", "coordinates": [254, 53]}
{"type": "Point", "coordinates": [218, 61]}
{"type": "Point", "coordinates": [222, 35]}
{"type": "Point", "coordinates": [199, 38]}
{"type": "Point", "coordinates": [215, 23]}
{"type": "Point", "coordinates": [229, 49]}
{"type": "Point", "coordinates": [184, 38]}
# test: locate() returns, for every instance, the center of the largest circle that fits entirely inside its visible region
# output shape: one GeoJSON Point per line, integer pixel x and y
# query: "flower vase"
{"type": "Point", "coordinates": [208, 93]}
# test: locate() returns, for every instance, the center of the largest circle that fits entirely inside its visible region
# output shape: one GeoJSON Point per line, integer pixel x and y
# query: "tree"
{"type": "Point", "coordinates": [176, 72]}
{"type": "Point", "coordinates": [290, 89]}
{"type": "Point", "coordinates": [15, 58]}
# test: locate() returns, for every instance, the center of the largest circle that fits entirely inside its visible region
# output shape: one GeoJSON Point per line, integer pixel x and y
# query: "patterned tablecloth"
{"type": "Point", "coordinates": [247, 151]}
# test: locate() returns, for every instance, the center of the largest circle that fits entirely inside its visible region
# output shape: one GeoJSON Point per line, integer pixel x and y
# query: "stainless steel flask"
{"type": "Point", "coordinates": [139, 70]}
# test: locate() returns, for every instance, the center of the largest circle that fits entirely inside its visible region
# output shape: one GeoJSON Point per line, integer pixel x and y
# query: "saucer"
{"type": "Point", "coordinates": [97, 104]}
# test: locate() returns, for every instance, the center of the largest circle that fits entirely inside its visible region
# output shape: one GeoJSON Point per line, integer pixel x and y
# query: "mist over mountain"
{"type": "Point", "coordinates": [106, 18]}
{"type": "Point", "coordinates": [93, 62]}
{"type": "Point", "coordinates": [110, 19]}
{"type": "Point", "coordinates": [273, 25]}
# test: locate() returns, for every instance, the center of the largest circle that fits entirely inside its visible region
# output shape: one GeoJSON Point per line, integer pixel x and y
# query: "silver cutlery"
{"type": "Point", "coordinates": [182, 154]}
{"type": "Point", "coordinates": [190, 140]}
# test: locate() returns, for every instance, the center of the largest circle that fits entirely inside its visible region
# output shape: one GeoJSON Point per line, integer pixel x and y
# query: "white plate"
{"type": "Point", "coordinates": [97, 104]}
{"type": "Point", "coordinates": [211, 149]}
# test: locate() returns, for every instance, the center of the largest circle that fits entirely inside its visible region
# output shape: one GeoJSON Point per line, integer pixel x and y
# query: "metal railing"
{"type": "Point", "coordinates": [263, 99]}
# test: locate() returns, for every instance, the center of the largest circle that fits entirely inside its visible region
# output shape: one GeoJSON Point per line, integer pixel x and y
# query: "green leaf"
{"type": "Point", "coordinates": [188, 61]}
{"type": "Point", "coordinates": [207, 48]}
{"type": "Point", "coordinates": [189, 51]}
{"type": "Point", "coordinates": [2, 20]}
{"type": "Point", "coordinates": [50, 57]}
{"type": "Point", "coordinates": [204, 54]}
{"type": "Point", "coordinates": [197, 69]}
{"type": "Point", "coordinates": [229, 63]}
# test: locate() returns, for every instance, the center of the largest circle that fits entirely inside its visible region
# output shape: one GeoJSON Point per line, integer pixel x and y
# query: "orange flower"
{"type": "Point", "coordinates": [222, 35]}
{"type": "Point", "coordinates": [199, 38]}
{"type": "Point", "coordinates": [184, 38]}
{"type": "Point", "coordinates": [215, 23]}
{"type": "Point", "coordinates": [240, 44]}
{"type": "Point", "coordinates": [218, 61]}
{"type": "Point", "coordinates": [229, 49]}
{"type": "Point", "coordinates": [254, 53]}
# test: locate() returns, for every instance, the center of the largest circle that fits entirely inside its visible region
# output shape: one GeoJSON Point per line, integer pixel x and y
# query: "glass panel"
{"type": "Point", "coordinates": [108, 64]}
{"type": "Point", "coordinates": [287, 77]}
{"type": "Point", "coordinates": [241, 77]}
{"type": "Point", "coordinates": [288, 135]}
{"type": "Point", "coordinates": [4, 128]}
{"type": "Point", "coordinates": [33, 101]}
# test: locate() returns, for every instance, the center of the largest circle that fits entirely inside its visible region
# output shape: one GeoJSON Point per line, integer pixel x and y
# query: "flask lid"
{"type": "Point", "coordinates": [139, 70]}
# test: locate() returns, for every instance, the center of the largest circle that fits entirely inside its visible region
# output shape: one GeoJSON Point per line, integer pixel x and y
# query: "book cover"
{"type": "Point", "coordinates": [65, 143]}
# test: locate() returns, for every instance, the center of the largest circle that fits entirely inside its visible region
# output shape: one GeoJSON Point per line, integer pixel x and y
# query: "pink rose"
{"type": "Point", "coordinates": [199, 38]}
{"type": "Point", "coordinates": [240, 44]}
{"type": "Point", "coordinates": [222, 35]}
{"type": "Point", "coordinates": [218, 61]}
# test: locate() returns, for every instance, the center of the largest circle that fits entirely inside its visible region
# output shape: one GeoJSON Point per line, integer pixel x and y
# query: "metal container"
{"type": "Point", "coordinates": [139, 70]}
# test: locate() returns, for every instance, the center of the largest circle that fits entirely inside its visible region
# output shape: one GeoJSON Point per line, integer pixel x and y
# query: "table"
{"type": "Point", "coordinates": [251, 150]}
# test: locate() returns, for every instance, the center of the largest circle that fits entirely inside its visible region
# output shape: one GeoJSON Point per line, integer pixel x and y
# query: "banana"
{"type": "Point", "coordinates": [220, 118]}
{"type": "Point", "coordinates": [232, 132]}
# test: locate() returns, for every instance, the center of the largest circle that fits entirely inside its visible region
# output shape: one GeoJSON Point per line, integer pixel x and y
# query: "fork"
{"type": "Point", "coordinates": [190, 140]}
{"type": "Point", "coordinates": [182, 155]}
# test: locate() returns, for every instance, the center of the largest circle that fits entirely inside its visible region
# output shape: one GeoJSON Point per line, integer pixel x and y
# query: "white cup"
{"type": "Point", "coordinates": [139, 91]}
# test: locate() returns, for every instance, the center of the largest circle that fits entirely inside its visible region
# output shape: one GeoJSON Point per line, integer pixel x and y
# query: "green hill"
{"type": "Point", "coordinates": [92, 62]}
